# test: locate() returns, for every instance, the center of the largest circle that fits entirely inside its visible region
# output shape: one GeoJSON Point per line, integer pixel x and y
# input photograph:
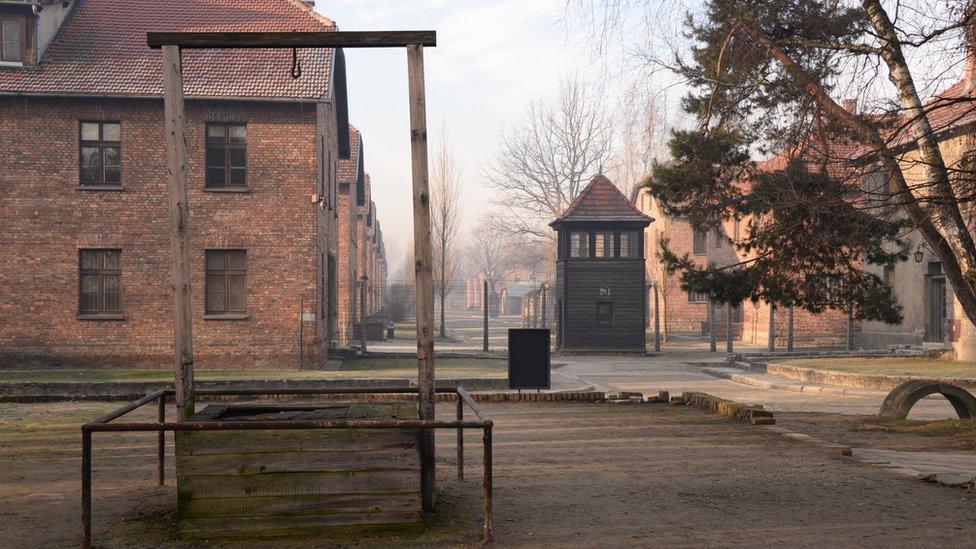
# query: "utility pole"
{"type": "Point", "coordinates": [485, 303]}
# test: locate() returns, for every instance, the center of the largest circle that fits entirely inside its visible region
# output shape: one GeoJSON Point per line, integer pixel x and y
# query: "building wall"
{"type": "Point", "coordinates": [47, 219]}
{"type": "Point", "coordinates": [583, 283]}
{"type": "Point", "coordinates": [347, 261]}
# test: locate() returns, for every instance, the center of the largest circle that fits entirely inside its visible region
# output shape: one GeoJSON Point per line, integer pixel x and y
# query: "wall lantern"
{"type": "Point", "coordinates": [919, 255]}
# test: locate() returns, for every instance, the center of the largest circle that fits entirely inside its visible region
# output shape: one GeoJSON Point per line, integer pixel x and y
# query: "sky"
{"type": "Point", "coordinates": [492, 58]}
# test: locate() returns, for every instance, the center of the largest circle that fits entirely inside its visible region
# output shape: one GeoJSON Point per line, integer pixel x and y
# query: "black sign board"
{"type": "Point", "coordinates": [528, 358]}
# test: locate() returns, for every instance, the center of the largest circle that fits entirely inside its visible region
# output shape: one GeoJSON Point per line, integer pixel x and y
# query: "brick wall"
{"type": "Point", "coordinates": [47, 219]}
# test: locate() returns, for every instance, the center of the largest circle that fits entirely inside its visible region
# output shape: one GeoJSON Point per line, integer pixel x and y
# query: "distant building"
{"type": "Point", "coordinates": [600, 288]}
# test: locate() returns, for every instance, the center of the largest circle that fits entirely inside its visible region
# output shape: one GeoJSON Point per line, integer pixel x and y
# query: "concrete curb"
{"type": "Point", "coordinates": [877, 382]}
{"type": "Point", "coordinates": [792, 387]}
{"type": "Point", "coordinates": [130, 390]}
{"type": "Point", "coordinates": [755, 415]}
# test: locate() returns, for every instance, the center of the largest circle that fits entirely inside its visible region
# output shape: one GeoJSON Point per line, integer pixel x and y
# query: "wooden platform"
{"type": "Point", "coordinates": [296, 482]}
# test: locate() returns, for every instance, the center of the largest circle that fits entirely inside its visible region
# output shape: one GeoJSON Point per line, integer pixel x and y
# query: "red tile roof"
{"type": "Point", "coordinates": [601, 200]}
{"type": "Point", "coordinates": [349, 168]}
{"type": "Point", "coordinates": [101, 50]}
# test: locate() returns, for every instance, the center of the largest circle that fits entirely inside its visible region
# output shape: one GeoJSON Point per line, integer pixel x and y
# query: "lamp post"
{"type": "Point", "coordinates": [362, 313]}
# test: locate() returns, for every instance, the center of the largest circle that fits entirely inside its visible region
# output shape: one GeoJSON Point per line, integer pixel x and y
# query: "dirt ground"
{"type": "Point", "coordinates": [565, 474]}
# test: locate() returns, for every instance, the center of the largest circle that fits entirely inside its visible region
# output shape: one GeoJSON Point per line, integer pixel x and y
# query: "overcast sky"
{"type": "Point", "coordinates": [491, 59]}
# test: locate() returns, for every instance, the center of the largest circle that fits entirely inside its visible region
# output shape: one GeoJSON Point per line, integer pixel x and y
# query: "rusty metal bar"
{"type": "Point", "coordinates": [487, 485]}
{"type": "Point", "coordinates": [86, 448]}
{"type": "Point", "coordinates": [161, 445]}
{"type": "Point", "coordinates": [289, 424]}
{"type": "Point", "coordinates": [460, 440]}
{"type": "Point", "coordinates": [129, 407]}
{"type": "Point", "coordinates": [482, 415]}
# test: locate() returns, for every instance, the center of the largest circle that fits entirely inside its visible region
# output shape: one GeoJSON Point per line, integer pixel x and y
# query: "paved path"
{"type": "Point", "coordinates": [669, 372]}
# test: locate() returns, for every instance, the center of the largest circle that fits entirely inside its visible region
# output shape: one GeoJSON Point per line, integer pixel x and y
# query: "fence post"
{"type": "Point", "coordinates": [728, 328]}
{"type": "Point", "coordinates": [789, 331]}
{"type": "Point", "coordinates": [772, 328]}
{"type": "Point", "coordinates": [711, 326]}
{"type": "Point", "coordinates": [657, 320]}
{"type": "Point", "coordinates": [485, 303]}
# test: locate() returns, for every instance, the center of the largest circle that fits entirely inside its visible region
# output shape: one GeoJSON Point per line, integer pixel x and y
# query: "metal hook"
{"type": "Point", "coordinates": [296, 67]}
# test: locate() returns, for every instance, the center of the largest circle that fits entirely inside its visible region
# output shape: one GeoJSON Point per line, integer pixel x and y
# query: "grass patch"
{"type": "Point", "coordinates": [908, 366]}
{"type": "Point", "coordinates": [965, 428]}
{"type": "Point", "coordinates": [352, 368]}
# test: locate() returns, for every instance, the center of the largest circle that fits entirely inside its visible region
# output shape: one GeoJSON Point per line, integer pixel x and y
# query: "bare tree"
{"type": "Point", "coordinates": [493, 253]}
{"type": "Point", "coordinates": [543, 164]}
{"type": "Point", "coordinates": [642, 131]}
{"type": "Point", "coordinates": [445, 213]}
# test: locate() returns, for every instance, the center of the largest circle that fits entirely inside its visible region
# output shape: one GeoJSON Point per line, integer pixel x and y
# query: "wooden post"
{"type": "Point", "coordinates": [362, 314]}
{"type": "Point", "coordinates": [657, 321]}
{"type": "Point", "coordinates": [711, 326]}
{"type": "Point", "coordinates": [485, 307]}
{"type": "Point", "coordinates": [423, 262]}
{"type": "Point", "coordinates": [772, 328]}
{"type": "Point", "coordinates": [179, 230]}
{"type": "Point", "coordinates": [789, 331]}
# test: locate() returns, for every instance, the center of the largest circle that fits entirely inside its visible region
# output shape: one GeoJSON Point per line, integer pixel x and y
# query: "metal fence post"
{"type": "Point", "coordinates": [728, 328]}
{"type": "Point", "coordinates": [657, 320]}
{"type": "Point", "coordinates": [460, 440]}
{"type": "Point", "coordinates": [789, 331]}
{"type": "Point", "coordinates": [487, 485]}
{"type": "Point", "coordinates": [772, 328]}
{"type": "Point", "coordinates": [161, 444]}
{"type": "Point", "coordinates": [711, 326]}
{"type": "Point", "coordinates": [86, 488]}
{"type": "Point", "coordinates": [485, 300]}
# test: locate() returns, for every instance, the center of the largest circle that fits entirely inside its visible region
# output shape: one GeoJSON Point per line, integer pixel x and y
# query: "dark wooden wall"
{"type": "Point", "coordinates": [579, 283]}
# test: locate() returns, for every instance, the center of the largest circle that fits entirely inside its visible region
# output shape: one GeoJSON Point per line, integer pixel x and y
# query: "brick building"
{"type": "Point", "coordinates": [686, 312]}
{"type": "Point", "coordinates": [85, 266]}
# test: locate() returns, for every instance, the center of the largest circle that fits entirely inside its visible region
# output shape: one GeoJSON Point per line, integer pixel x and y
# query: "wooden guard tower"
{"type": "Point", "coordinates": [601, 302]}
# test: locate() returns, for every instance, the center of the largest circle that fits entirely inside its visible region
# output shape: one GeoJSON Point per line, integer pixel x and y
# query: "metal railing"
{"type": "Point", "coordinates": [105, 424]}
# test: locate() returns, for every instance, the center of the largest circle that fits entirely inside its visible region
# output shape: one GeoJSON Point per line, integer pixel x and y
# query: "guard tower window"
{"type": "Point", "coordinates": [604, 244]}
{"type": "Point", "coordinates": [579, 244]}
{"type": "Point", "coordinates": [629, 244]}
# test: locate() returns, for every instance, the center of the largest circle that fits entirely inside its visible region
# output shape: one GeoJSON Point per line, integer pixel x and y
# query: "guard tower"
{"type": "Point", "coordinates": [601, 302]}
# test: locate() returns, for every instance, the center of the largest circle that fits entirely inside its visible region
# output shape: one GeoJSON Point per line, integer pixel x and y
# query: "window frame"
{"type": "Point", "coordinates": [697, 297]}
{"type": "Point", "coordinates": [609, 240]}
{"type": "Point", "coordinates": [225, 272]}
{"type": "Point", "coordinates": [633, 244]}
{"type": "Point", "coordinates": [101, 144]}
{"type": "Point", "coordinates": [101, 272]}
{"type": "Point", "coordinates": [588, 245]}
{"type": "Point", "coordinates": [225, 146]}
{"type": "Point", "coordinates": [696, 236]}
{"type": "Point", "coordinates": [599, 322]}
{"type": "Point", "coordinates": [22, 20]}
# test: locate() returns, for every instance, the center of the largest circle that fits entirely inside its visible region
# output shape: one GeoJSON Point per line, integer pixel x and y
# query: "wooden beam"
{"type": "Point", "coordinates": [327, 39]}
{"type": "Point", "coordinates": [423, 258]}
{"type": "Point", "coordinates": [179, 233]}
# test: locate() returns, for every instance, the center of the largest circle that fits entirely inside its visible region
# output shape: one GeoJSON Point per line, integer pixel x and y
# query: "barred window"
{"type": "Point", "coordinates": [226, 281]}
{"type": "Point", "coordinates": [697, 297]}
{"type": "Point", "coordinates": [226, 156]}
{"type": "Point", "coordinates": [629, 244]}
{"type": "Point", "coordinates": [579, 244]}
{"type": "Point", "coordinates": [604, 244]}
{"type": "Point", "coordinates": [99, 281]}
{"type": "Point", "coordinates": [100, 154]}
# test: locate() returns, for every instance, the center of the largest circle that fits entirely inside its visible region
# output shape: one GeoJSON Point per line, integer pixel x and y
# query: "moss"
{"type": "Point", "coordinates": [887, 365]}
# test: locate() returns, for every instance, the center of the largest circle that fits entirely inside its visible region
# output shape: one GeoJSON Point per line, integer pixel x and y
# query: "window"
{"type": "Point", "coordinates": [101, 154]}
{"type": "Point", "coordinates": [604, 313]}
{"type": "Point", "coordinates": [697, 297]}
{"type": "Point", "coordinates": [736, 230]}
{"type": "Point", "coordinates": [225, 283]}
{"type": "Point", "coordinates": [226, 156]}
{"type": "Point", "coordinates": [13, 41]}
{"type": "Point", "coordinates": [889, 276]}
{"type": "Point", "coordinates": [99, 282]}
{"type": "Point", "coordinates": [604, 244]}
{"type": "Point", "coordinates": [629, 244]}
{"type": "Point", "coordinates": [700, 242]}
{"type": "Point", "coordinates": [579, 244]}
{"type": "Point", "coordinates": [718, 238]}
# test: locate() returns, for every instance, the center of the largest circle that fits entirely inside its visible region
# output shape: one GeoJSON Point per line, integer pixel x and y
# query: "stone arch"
{"type": "Point", "coordinates": [902, 398]}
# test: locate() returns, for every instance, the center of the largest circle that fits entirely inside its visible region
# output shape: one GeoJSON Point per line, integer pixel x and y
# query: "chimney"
{"type": "Point", "coordinates": [850, 105]}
